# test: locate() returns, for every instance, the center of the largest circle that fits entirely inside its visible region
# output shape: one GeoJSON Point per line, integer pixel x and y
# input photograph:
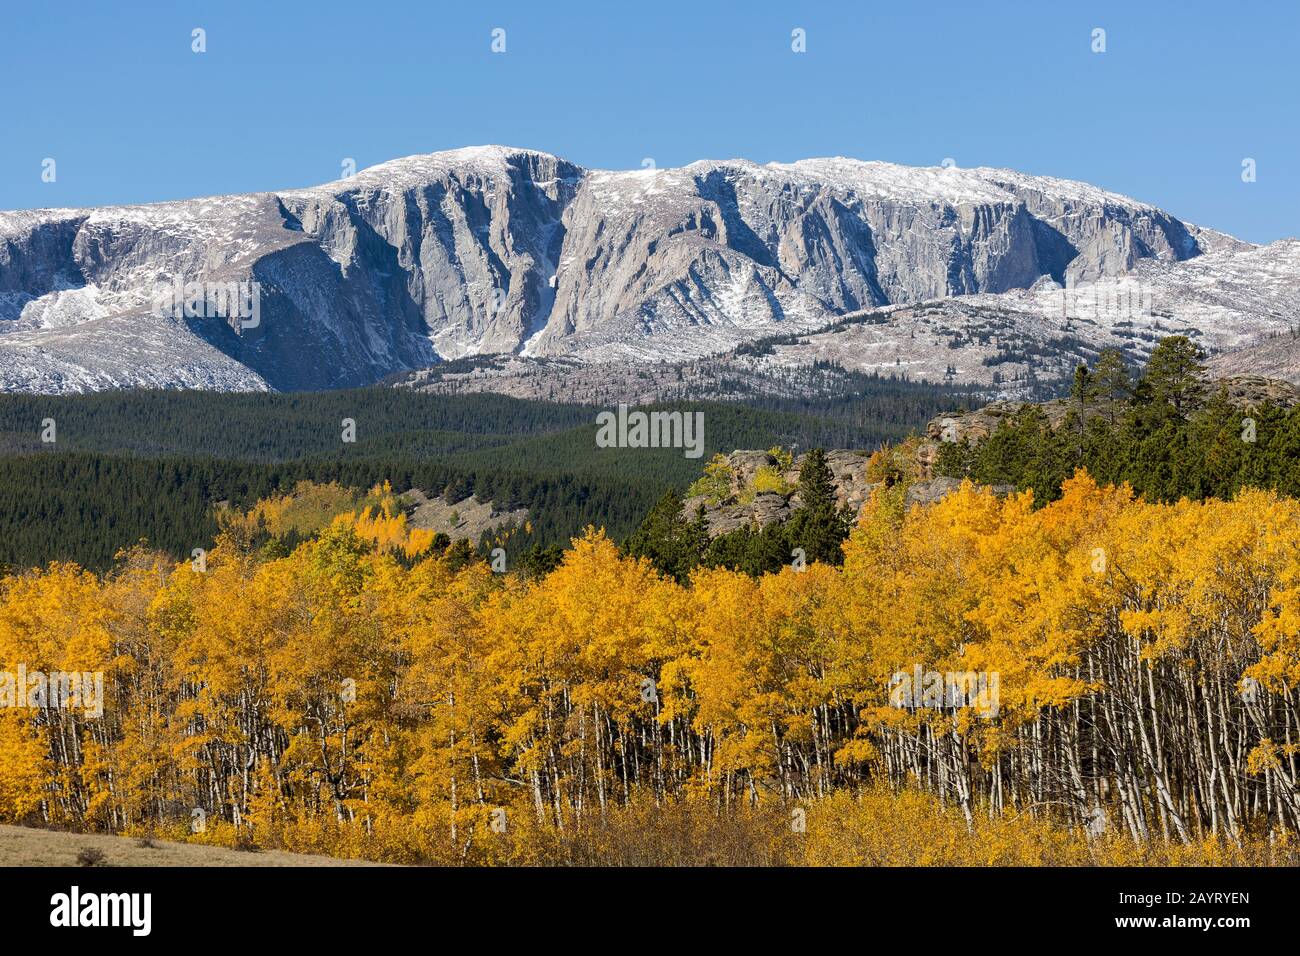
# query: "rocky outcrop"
{"type": "Point", "coordinates": [971, 426]}
{"type": "Point", "coordinates": [468, 518]}
{"type": "Point", "coordinates": [743, 506]}
{"type": "Point", "coordinates": [1251, 391]}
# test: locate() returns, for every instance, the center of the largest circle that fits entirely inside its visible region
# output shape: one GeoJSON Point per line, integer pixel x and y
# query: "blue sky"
{"type": "Point", "coordinates": [1184, 92]}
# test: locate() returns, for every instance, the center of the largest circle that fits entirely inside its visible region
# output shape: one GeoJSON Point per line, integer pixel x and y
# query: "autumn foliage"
{"type": "Point", "coordinates": [365, 695]}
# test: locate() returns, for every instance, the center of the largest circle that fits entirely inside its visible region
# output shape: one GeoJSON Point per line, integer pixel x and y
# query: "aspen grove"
{"type": "Point", "coordinates": [367, 693]}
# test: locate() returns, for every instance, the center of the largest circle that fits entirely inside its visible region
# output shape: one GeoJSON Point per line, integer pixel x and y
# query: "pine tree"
{"type": "Point", "coordinates": [672, 543]}
{"type": "Point", "coordinates": [1111, 381]}
{"type": "Point", "coordinates": [819, 526]}
{"type": "Point", "coordinates": [1082, 391]}
{"type": "Point", "coordinates": [1174, 372]}
{"type": "Point", "coordinates": [816, 482]}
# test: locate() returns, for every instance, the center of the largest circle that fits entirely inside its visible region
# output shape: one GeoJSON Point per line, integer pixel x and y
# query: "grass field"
{"type": "Point", "coordinates": [25, 846]}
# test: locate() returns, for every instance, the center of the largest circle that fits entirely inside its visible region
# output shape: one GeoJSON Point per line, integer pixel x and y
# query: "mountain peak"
{"type": "Point", "coordinates": [488, 160]}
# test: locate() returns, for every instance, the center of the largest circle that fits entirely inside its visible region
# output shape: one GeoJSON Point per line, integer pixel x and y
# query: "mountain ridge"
{"type": "Point", "coordinates": [505, 251]}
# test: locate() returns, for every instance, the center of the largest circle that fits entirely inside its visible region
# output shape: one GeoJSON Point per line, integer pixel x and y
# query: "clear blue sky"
{"type": "Point", "coordinates": [286, 90]}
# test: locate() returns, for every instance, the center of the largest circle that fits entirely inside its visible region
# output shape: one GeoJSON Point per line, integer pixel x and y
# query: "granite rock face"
{"type": "Point", "coordinates": [1250, 391]}
{"type": "Point", "coordinates": [494, 250]}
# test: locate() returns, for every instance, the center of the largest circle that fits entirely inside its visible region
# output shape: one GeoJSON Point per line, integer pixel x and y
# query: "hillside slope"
{"type": "Point", "coordinates": [27, 846]}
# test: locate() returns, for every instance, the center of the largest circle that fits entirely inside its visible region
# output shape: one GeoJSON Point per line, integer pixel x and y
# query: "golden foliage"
{"type": "Point", "coordinates": [358, 696]}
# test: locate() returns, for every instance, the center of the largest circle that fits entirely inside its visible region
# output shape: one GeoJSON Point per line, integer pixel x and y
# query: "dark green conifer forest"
{"type": "Point", "coordinates": [151, 466]}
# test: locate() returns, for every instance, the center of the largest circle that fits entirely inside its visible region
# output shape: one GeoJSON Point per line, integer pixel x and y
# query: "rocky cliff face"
{"type": "Point", "coordinates": [498, 250]}
{"type": "Point", "coordinates": [702, 257]}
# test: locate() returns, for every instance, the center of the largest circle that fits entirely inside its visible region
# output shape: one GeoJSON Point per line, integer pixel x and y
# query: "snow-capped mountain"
{"type": "Point", "coordinates": [493, 250]}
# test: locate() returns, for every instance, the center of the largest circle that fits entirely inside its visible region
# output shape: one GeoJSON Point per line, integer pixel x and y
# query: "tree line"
{"type": "Point", "coordinates": [1168, 433]}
